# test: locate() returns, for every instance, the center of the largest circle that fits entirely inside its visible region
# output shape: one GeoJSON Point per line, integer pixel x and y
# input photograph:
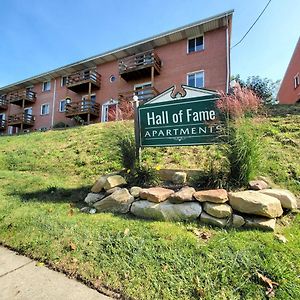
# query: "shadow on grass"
{"type": "Point", "coordinates": [57, 195]}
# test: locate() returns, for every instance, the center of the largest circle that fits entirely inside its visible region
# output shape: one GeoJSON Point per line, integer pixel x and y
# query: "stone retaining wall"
{"type": "Point", "coordinates": [256, 208]}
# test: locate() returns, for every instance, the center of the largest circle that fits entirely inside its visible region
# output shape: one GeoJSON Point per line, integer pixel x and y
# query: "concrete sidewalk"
{"type": "Point", "coordinates": [21, 279]}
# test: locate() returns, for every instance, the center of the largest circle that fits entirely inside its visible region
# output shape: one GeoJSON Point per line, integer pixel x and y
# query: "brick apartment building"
{"type": "Point", "coordinates": [289, 91]}
{"type": "Point", "coordinates": [197, 54]}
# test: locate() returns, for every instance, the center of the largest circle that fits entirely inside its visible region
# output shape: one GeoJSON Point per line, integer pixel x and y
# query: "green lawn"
{"type": "Point", "coordinates": [45, 176]}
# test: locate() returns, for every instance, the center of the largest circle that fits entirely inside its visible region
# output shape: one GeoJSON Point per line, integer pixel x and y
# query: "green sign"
{"type": "Point", "coordinates": [181, 122]}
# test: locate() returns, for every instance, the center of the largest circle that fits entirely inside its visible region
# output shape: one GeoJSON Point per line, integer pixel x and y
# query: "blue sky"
{"type": "Point", "coordinates": [38, 35]}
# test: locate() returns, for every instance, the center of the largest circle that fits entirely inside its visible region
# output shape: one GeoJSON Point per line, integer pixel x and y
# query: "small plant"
{"type": "Point", "coordinates": [144, 176]}
{"type": "Point", "coordinates": [127, 148]}
{"type": "Point", "coordinates": [78, 120]}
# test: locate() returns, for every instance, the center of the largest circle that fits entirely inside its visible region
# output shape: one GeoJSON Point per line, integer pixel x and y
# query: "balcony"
{"type": "Point", "coordinates": [86, 109]}
{"type": "Point", "coordinates": [3, 103]}
{"type": "Point", "coordinates": [139, 65]}
{"type": "Point", "coordinates": [144, 94]}
{"type": "Point", "coordinates": [79, 82]}
{"type": "Point", "coordinates": [21, 98]}
{"type": "Point", "coordinates": [3, 124]}
{"type": "Point", "coordinates": [22, 120]}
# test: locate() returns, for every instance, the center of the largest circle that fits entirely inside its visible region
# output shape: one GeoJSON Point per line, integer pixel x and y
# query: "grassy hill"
{"type": "Point", "coordinates": [44, 175]}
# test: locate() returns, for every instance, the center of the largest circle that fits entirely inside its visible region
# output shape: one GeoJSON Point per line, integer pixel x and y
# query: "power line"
{"type": "Point", "coordinates": [252, 25]}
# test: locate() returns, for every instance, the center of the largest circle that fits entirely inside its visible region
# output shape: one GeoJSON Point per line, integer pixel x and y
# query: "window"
{"type": "Point", "coordinates": [112, 78]}
{"type": "Point", "coordinates": [144, 91]}
{"type": "Point", "coordinates": [296, 80]}
{"type": "Point", "coordinates": [196, 79]}
{"type": "Point", "coordinates": [195, 44]}
{"type": "Point", "coordinates": [63, 80]}
{"type": "Point", "coordinates": [28, 111]}
{"type": "Point", "coordinates": [46, 86]}
{"type": "Point", "coordinates": [62, 104]}
{"type": "Point", "coordinates": [44, 109]}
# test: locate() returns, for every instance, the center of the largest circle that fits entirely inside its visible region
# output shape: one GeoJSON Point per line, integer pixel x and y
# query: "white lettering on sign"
{"type": "Point", "coordinates": [189, 115]}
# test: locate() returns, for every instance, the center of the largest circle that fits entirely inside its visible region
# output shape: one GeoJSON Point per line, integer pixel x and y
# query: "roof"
{"type": "Point", "coordinates": [190, 30]}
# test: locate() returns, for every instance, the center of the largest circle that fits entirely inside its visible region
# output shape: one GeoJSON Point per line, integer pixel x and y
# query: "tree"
{"type": "Point", "coordinates": [266, 89]}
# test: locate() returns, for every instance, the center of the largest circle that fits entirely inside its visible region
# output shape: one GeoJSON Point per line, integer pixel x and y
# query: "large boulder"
{"type": "Point", "coordinates": [215, 196]}
{"type": "Point", "coordinates": [117, 202]}
{"type": "Point", "coordinates": [155, 194]}
{"type": "Point", "coordinates": [260, 223]}
{"type": "Point", "coordinates": [91, 198]}
{"type": "Point", "coordinates": [217, 210]}
{"type": "Point", "coordinates": [166, 210]}
{"type": "Point", "coordinates": [256, 203]}
{"type": "Point", "coordinates": [207, 219]}
{"type": "Point", "coordinates": [114, 181]}
{"type": "Point", "coordinates": [183, 195]}
{"type": "Point", "coordinates": [286, 198]}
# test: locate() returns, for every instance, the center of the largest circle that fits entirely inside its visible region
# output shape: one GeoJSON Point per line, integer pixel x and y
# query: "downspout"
{"type": "Point", "coordinates": [227, 58]}
{"type": "Point", "coordinates": [53, 103]}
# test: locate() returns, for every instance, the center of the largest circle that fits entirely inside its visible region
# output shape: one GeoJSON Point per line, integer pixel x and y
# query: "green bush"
{"type": "Point", "coordinates": [243, 151]}
{"type": "Point", "coordinates": [126, 144]}
{"type": "Point", "coordinates": [143, 176]}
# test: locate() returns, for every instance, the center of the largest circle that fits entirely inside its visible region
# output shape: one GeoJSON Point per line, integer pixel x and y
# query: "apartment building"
{"type": "Point", "coordinates": [289, 91]}
{"type": "Point", "coordinates": [197, 54]}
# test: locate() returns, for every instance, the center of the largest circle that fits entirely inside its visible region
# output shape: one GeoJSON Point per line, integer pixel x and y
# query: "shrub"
{"type": "Point", "coordinates": [60, 125]}
{"type": "Point", "coordinates": [143, 176]}
{"type": "Point", "coordinates": [126, 144]}
{"type": "Point", "coordinates": [243, 151]}
{"type": "Point", "coordinates": [240, 103]}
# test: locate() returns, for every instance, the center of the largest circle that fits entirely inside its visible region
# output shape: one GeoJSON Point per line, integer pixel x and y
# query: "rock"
{"type": "Point", "coordinates": [237, 221]}
{"type": "Point", "coordinates": [217, 210]}
{"type": "Point", "coordinates": [258, 185]}
{"type": "Point", "coordinates": [286, 198]}
{"type": "Point", "coordinates": [155, 194]}
{"type": "Point", "coordinates": [179, 178]}
{"type": "Point", "coordinates": [260, 223]}
{"type": "Point", "coordinates": [99, 184]}
{"type": "Point", "coordinates": [215, 196]}
{"type": "Point", "coordinates": [135, 191]}
{"type": "Point", "coordinates": [183, 195]}
{"type": "Point", "coordinates": [91, 198]}
{"type": "Point", "coordinates": [113, 181]}
{"type": "Point", "coordinates": [117, 202]}
{"type": "Point", "coordinates": [110, 191]}
{"type": "Point", "coordinates": [207, 219]}
{"type": "Point", "coordinates": [255, 203]}
{"type": "Point", "coordinates": [166, 210]}
{"type": "Point", "coordinates": [281, 238]}
{"type": "Point", "coordinates": [85, 209]}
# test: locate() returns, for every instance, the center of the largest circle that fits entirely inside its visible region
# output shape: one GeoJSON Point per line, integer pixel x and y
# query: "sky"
{"type": "Point", "coordinates": [39, 35]}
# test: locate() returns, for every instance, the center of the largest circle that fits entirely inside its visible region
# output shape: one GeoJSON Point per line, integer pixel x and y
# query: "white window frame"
{"type": "Point", "coordinates": [62, 79]}
{"type": "Point", "coordinates": [192, 38]}
{"type": "Point", "coordinates": [296, 80]}
{"type": "Point", "coordinates": [191, 73]}
{"type": "Point", "coordinates": [60, 101]}
{"type": "Point", "coordinates": [3, 116]}
{"type": "Point", "coordinates": [44, 104]}
{"type": "Point", "coordinates": [43, 90]}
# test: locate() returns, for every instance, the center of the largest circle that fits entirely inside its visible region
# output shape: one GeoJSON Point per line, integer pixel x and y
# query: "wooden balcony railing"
{"type": "Point", "coordinates": [80, 81]}
{"type": "Point", "coordinates": [3, 103]}
{"type": "Point", "coordinates": [144, 94]}
{"type": "Point", "coordinates": [139, 65]}
{"type": "Point", "coordinates": [19, 96]}
{"type": "Point", "coordinates": [3, 124]}
{"type": "Point", "coordinates": [83, 107]}
{"type": "Point", "coordinates": [21, 119]}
